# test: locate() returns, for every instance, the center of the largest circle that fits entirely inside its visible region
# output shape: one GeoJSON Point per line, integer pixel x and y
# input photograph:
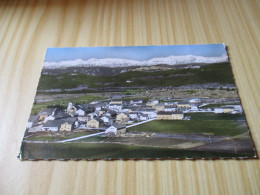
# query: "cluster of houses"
{"type": "Point", "coordinates": [114, 115]}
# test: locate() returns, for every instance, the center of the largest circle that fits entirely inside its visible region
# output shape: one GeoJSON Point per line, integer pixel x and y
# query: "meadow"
{"type": "Point", "coordinates": [216, 127]}
{"type": "Point", "coordinates": [91, 151]}
{"type": "Point", "coordinates": [213, 116]}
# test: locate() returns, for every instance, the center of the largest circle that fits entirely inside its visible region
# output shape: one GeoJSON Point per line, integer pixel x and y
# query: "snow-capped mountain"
{"type": "Point", "coordinates": [117, 62]}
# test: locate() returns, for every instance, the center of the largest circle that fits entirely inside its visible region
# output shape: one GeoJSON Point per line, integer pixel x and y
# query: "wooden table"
{"type": "Point", "coordinates": [27, 28]}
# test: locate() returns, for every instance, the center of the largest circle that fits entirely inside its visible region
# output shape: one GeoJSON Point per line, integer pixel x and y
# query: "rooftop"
{"type": "Point", "coordinates": [168, 113]}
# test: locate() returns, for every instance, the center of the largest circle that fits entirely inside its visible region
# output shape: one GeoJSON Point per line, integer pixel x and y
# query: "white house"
{"type": "Point", "coordinates": [133, 115]}
{"type": "Point", "coordinates": [105, 119]}
{"type": "Point", "coordinates": [126, 109]}
{"type": "Point", "coordinates": [71, 108]}
{"type": "Point", "coordinates": [155, 101]}
{"type": "Point", "coordinates": [218, 110]}
{"type": "Point", "coordinates": [83, 118]}
{"type": "Point", "coordinates": [98, 107]}
{"type": "Point", "coordinates": [91, 115]}
{"type": "Point", "coordinates": [52, 125]}
{"type": "Point", "coordinates": [169, 108]}
{"type": "Point", "coordinates": [169, 103]}
{"type": "Point", "coordinates": [137, 101]}
{"type": "Point", "coordinates": [152, 115]}
{"type": "Point", "coordinates": [195, 101]}
{"type": "Point", "coordinates": [152, 102]}
{"type": "Point", "coordinates": [48, 118]}
{"type": "Point", "coordinates": [111, 129]}
{"type": "Point", "coordinates": [115, 107]}
{"type": "Point", "coordinates": [144, 117]}
{"type": "Point", "coordinates": [150, 112]}
{"type": "Point", "coordinates": [116, 129]}
{"type": "Point", "coordinates": [194, 108]}
{"type": "Point", "coordinates": [238, 108]}
{"type": "Point", "coordinates": [46, 112]}
{"type": "Point", "coordinates": [95, 102]}
{"type": "Point", "coordinates": [80, 112]}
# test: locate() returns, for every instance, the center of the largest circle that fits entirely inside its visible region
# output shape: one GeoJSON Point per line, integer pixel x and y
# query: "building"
{"type": "Point", "coordinates": [116, 101]}
{"type": "Point", "coordinates": [61, 115]}
{"type": "Point", "coordinates": [52, 125]}
{"type": "Point", "coordinates": [170, 115]}
{"type": "Point", "coordinates": [93, 123]}
{"type": "Point", "coordinates": [150, 112]}
{"type": "Point", "coordinates": [218, 110]}
{"type": "Point", "coordinates": [91, 116]}
{"type": "Point", "coordinates": [152, 102]}
{"type": "Point", "coordinates": [133, 115]}
{"type": "Point", "coordinates": [136, 101]}
{"type": "Point", "coordinates": [88, 109]}
{"type": "Point", "coordinates": [80, 112]}
{"type": "Point", "coordinates": [228, 109]}
{"type": "Point", "coordinates": [184, 105]}
{"type": "Point", "coordinates": [105, 119]}
{"type": "Point", "coordinates": [169, 108]}
{"type": "Point", "coordinates": [71, 108]}
{"type": "Point", "coordinates": [126, 109]}
{"type": "Point", "coordinates": [83, 118]}
{"type": "Point", "coordinates": [68, 124]}
{"type": "Point", "coordinates": [115, 107]}
{"type": "Point", "coordinates": [195, 101]}
{"type": "Point", "coordinates": [159, 107]}
{"type": "Point", "coordinates": [122, 118]}
{"type": "Point", "coordinates": [46, 112]}
{"type": "Point", "coordinates": [194, 108]}
{"type": "Point", "coordinates": [110, 113]}
{"type": "Point", "coordinates": [50, 117]}
{"type": "Point", "coordinates": [101, 111]}
{"type": "Point", "coordinates": [116, 129]}
{"type": "Point", "coordinates": [144, 117]}
{"type": "Point", "coordinates": [169, 103]}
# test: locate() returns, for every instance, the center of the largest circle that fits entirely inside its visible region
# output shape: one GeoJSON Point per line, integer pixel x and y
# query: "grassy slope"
{"type": "Point", "coordinates": [48, 137]}
{"type": "Point", "coordinates": [100, 151]}
{"type": "Point", "coordinates": [213, 116]}
{"type": "Point", "coordinates": [219, 105]}
{"type": "Point", "coordinates": [218, 127]}
{"type": "Point", "coordinates": [220, 73]}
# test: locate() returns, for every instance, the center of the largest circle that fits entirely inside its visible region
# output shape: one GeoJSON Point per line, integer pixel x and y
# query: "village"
{"type": "Point", "coordinates": [113, 116]}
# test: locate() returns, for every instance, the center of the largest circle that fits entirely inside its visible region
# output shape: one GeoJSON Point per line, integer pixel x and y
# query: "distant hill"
{"type": "Point", "coordinates": [118, 62]}
{"type": "Point", "coordinates": [108, 71]}
{"type": "Point", "coordinates": [134, 77]}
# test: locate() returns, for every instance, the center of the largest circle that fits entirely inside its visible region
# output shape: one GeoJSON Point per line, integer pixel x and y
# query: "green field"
{"type": "Point", "coordinates": [46, 136]}
{"type": "Point", "coordinates": [217, 127]}
{"type": "Point", "coordinates": [220, 73]}
{"type": "Point", "coordinates": [128, 99]}
{"type": "Point", "coordinates": [219, 105]}
{"type": "Point", "coordinates": [213, 116]}
{"type": "Point", "coordinates": [112, 151]}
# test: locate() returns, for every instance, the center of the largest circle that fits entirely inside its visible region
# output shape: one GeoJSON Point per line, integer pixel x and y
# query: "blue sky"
{"type": "Point", "coordinates": [140, 53]}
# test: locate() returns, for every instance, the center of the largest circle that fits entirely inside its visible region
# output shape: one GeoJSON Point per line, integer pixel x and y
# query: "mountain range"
{"type": "Point", "coordinates": [118, 62]}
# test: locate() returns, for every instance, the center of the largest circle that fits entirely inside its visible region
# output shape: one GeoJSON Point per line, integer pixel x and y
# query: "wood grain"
{"type": "Point", "coordinates": [27, 28]}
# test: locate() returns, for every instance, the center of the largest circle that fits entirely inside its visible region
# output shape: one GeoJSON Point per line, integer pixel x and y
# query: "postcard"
{"type": "Point", "coordinates": [137, 102]}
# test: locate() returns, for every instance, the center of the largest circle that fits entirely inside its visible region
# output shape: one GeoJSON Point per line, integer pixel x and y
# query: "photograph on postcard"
{"type": "Point", "coordinates": [137, 102]}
